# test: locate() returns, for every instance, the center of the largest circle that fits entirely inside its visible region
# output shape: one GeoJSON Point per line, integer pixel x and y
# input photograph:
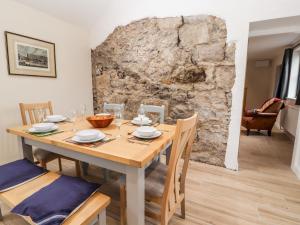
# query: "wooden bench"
{"type": "Point", "coordinates": [93, 210]}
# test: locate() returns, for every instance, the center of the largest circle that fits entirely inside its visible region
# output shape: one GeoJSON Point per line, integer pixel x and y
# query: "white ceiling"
{"type": "Point", "coordinates": [266, 39]}
{"type": "Point", "coordinates": [269, 38]}
{"type": "Point", "coordinates": [270, 46]}
{"type": "Point", "coordinates": [79, 12]}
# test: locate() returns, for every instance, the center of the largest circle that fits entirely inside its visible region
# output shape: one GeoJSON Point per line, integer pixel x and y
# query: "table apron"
{"type": "Point", "coordinates": [104, 163]}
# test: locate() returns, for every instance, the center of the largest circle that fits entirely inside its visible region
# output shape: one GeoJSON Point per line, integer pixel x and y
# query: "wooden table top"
{"type": "Point", "coordinates": [120, 150]}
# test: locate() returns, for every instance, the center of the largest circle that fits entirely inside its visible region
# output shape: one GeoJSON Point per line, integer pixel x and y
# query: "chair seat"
{"type": "Point", "coordinates": [43, 155]}
{"type": "Point", "coordinates": [155, 180]}
{"type": "Point", "coordinates": [84, 215]}
{"type": "Point", "coordinates": [247, 118]}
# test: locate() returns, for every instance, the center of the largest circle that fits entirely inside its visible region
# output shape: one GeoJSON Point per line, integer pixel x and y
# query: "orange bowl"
{"type": "Point", "coordinates": [100, 121]}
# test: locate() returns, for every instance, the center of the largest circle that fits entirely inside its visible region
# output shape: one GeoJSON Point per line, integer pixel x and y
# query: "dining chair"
{"type": "Point", "coordinates": [106, 107]}
{"type": "Point", "coordinates": [155, 109]}
{"type": "Point", "coordinates": [113, 106]}
{"type": "Point", "coordinates": [43, 156]}
{"type": "Point", "coordinates": [164, 184]}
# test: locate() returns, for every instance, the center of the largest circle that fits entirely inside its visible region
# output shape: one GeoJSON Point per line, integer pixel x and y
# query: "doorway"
{"type": "Point", "coordinates": [261, 148]}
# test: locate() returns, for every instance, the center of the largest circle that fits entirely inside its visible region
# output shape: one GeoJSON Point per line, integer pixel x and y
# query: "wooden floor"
{"type": "Point", "coordinates": [263, 191]}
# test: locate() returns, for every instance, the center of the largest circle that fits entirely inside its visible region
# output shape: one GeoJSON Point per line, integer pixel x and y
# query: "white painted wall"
{"type": "Point", "coordinates": [73, 84]}
{"type": "Point", "coordinates": [237, 14]}
{"type": "Point", "coordinates": [258, 83]}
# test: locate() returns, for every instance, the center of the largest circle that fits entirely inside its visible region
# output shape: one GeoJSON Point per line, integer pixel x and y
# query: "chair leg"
{"type": "Point", "coordinates": [44, 164]}
{"type": "Point", "coordinates": [183, 208]}
{"type": "Point", "coordinates": [102, 218]}
{"type": "Point", "coordinates": [1, 217]}
{"type": "Point", "coordinates": [106, 174]}
{"type": "Point", "coordinates": [59, 164]}
{"type": "Point", "coordinates": [85, 168]}
{"type": "Point", "coordinates": [248, 132]}
{"type": "Point", "coordinates": [269, 132]}
{"type": "Point", "coordinates": [123, 219]}
{"type": "Point", "coordinates": [77, 165]}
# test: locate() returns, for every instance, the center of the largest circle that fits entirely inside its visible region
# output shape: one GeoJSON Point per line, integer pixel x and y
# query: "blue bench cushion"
{"type": "Point", "coordinates": [18, 172]}
{"type": "Point", "coordinates": [55, 202]}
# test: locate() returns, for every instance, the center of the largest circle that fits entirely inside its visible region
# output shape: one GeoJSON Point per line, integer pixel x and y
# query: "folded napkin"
{"type": "Point", "coordinates": [18, 172]}
{"type": "Point", "coordinates": [54, 203]}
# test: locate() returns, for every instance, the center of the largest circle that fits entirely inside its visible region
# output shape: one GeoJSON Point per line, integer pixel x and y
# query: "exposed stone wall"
{"type": "Point", "coordinates": [183, 63]}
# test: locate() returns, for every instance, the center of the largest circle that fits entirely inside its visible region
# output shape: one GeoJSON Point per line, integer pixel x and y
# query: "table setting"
{"type": "Point", "coordinates": [90, 138]}
{"type": "Point", "coordinates": [145, 130]}
{"type": "Point", "coordinates": [44, 129]}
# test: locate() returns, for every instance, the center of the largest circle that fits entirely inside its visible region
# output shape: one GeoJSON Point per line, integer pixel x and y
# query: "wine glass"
{"type": "Point", "coordinates": [118, 121]}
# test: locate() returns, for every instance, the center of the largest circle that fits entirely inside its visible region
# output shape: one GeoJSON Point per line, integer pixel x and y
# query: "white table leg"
{"type": "Point", "coordinates": [135, 189]}
{"type": "Point", "coordinates": [102, 218]}
{"type": "Point", "coordinates": [26, 150]}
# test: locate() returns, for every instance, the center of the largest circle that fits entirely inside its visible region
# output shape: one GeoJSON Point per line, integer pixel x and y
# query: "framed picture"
{"type": "Point", "coordinates": [29, 56]}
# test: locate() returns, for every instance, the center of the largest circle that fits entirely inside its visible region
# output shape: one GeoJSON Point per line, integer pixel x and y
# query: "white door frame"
{"type": "Point", "coordinates": [232, 150]}
{"type": "Point", "coordinates": [296, 151]}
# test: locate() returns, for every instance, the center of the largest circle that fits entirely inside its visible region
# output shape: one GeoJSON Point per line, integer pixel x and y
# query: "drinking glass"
{"type": "Point", "coordinates": [72, 116]}
{"type": "Point", "coordinates": [118, 121]}
{"type": "Point", "coordinates": [141, 114]}
{"type": "Point", "coordinates": [41, 114]}
{"type": "Point", "coordinates": [83, 112]}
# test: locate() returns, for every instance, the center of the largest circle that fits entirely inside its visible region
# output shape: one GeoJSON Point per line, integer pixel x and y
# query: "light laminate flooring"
{"type": "Point", "coordinates": [263, 191]}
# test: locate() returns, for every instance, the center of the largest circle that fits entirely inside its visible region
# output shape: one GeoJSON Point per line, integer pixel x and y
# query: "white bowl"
{"type": "Point", "coordinates": [55, 118]}
{"type": "Point", "coordinates": [141, 118]}
{"type": "Point", "coordinates": [86, 135]}
{"type": "Point", "coordinates": [43, 126]}
{"type": "Point", "coordinates": [146, 131]}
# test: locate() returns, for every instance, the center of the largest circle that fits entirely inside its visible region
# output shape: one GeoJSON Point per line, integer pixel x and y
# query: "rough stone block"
{"type": "Point", "coordinates": [209, 53]}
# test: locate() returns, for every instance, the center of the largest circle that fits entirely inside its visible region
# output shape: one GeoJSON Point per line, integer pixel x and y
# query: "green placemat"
{"type": "Point", "coordinates": [45, 134]}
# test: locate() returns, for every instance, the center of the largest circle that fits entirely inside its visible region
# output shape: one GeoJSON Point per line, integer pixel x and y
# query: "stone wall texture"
{"type": "Point", "coordinates": [183, 63]}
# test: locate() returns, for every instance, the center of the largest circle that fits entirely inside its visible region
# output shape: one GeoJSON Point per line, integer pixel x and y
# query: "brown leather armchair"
{"type": "Point", "coordinates": [263, 118]}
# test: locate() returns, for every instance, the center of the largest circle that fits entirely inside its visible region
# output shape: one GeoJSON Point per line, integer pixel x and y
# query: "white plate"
{"type": "Point", "coordinates": [78, 140]}
{"type": "Point", "coordinates": [56, 119]}
{"type": "Point", "coordinates": [156, 134]}
{"type": "Point", "coordinates": [33, 130]}
{"type": "Point", "coordinates": [146, 131]}
{"type": "Point", "coordinates": [145, 122]}
{"type": "Point", "coordinates": [87, 135]}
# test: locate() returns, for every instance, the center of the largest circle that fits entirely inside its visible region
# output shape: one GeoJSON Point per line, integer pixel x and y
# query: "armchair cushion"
{"type": "Point", "coordinates": [267, 104]}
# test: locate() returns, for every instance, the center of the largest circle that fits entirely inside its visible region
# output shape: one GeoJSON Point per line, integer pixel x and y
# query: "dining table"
{"type": "Point", "coordinates": [125, 154]}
